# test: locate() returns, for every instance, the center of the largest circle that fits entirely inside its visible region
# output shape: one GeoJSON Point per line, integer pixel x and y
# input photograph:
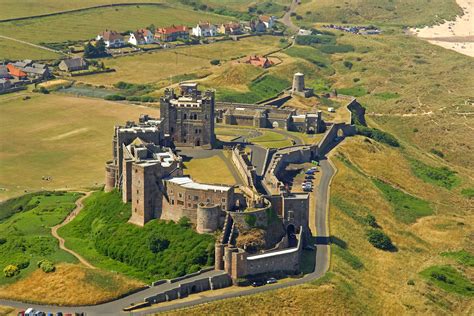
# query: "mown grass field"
{"type": "Point", "coordinates": [65, 138]}
{"type": "Point", "coordinates": [166, 64]}
{"type": "Point", "coordinates": [199, 170]}
{"type": "Point", "coordinates": [403, 12]}
{"type": "Point", "coordinates": [87, 24]}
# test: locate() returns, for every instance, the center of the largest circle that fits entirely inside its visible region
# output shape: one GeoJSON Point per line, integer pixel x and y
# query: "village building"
{"type": "Point", "coordinates": [112, 39]}
{"type": "Point", "coordinates": [73, 64]}
{"type": "Point", "coordinates": [172, 33]}
{"type": "Point", "coordinates": [204, 29]}
{"type": "Point", "coordinates": [16, 72]}
{"type": "Point", "coordinates": [141, 37]}
{"type": "Point", "coordinates": [259, 61]}
{"type": "Point", "coordinates": [231, 28]}
{"type": "Point", "coordinates": [5, 85]}
{"type": "Point", "coordinates": [268, 21]}
{"type": "Point", "coordinates": [4, 74]}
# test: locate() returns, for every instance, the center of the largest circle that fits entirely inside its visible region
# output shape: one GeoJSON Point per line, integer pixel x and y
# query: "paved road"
{"type": "Point", "coordinates": [31, 44]}
{"type": "Point", "coordinates": [286, 19]}
{"type": "Point", "coordinates": [322, 265]}
{"type": "Point", "coordinates": [70, 217]}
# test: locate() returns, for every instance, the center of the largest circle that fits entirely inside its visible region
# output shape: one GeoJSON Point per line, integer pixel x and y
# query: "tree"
{"type": "Point", "coordinates": [379, 240]}
{"type": "Point", "coordinates": [100, 48]}
{"type": "Point", "coordinates": [215, 62]}
{"type": "Point", "coordinates": [184, 222]}
{"type": "Point", "coordinates": [89, 50]}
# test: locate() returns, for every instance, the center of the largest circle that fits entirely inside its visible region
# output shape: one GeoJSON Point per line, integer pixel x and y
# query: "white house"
{"type": "Point", "coordinates": [111, 39]}
{"type": "Point", "coordinates": [204, 30]}
{"type": "Point", "coordinates": [269, 21]}
{"type": "Point", "coordinates": [141, 37]}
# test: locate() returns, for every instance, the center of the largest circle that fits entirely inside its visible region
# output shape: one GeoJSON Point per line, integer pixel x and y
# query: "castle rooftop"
{"type": "Point", "coordinates": [188, 183]}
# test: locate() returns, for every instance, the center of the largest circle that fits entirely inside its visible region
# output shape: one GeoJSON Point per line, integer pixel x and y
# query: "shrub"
{"type": "Point", "coordinates": [437, 152]}
{"type": "Point", "coordinates": [184, 222]}
{"type": "Point", "coordinates": [371, 221]}
{"type": "Point", "coordinates": [411, 282]}
{"type": "Point", "coordinates": [46, 265]}
{"type": "Point", "coordinates": [250, 219]}
{"type": "Point", "coordinates": [2, 240]}
{"type": "Point", "coordinates": [43, 90]}
{"type": "Point", "coordinates": [115, 97]}
{"type": "Point", "coordinates": [440, 176]}
{"type": "Point", "coordinates": [10, 270]}
{"type": "Point", "coordinates": [378, 135]}
{"type": "Point", "coordinates": [215, 62]}
{"type": "Point", "coordinates": [379, 239]}
{"type": "Point", "coordinates": [348, 65]}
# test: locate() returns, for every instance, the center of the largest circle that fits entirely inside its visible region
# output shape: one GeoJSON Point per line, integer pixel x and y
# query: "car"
{"type": "Point", "coordinates": [257, 283]}
{"type": "Point", "coordinates": [59, 314]}
{"type": "Point", "coordinates": [271, 281]}
{"type": "Point", "coordinates": [311, 172]}
{"type": "Point", "coordinates": [309, 176]}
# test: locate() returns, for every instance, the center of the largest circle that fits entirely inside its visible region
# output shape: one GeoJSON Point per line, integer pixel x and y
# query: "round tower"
{"type": "Point", "coordinates": [109, 176]}
{"type": "Point", "coordinates": [207, 218]}
{"type": "Point", "coordinates": [298, 82]}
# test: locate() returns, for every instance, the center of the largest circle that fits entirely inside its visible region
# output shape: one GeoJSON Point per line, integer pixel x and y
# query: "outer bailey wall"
{"type": "Point", "coordinates": [247, 173]}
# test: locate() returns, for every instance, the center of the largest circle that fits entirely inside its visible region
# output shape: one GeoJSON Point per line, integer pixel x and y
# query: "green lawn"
{"type": "Point", "coordinates": [270, 139]}
{"type": "Point", "coordinates": [407, 208]}
{"type": "Point", "coordinates": [87, 24]}
{"type": "Point", "coordinates": [160, 249]}
{"type": "Point", "coordinates": [25, 230]}
{"type": "Point", "coordinates": [14, 50]}
{"type": "Point", "coordinates": [449, 279]}
{"type": "Point", "coordinates": [462, 257]}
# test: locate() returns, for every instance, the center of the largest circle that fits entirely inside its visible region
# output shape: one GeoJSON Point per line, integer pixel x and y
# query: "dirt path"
{"type": "Point", "coordinates": [70, 217]}
{"type": "Point", "coordinates": [31, 44]}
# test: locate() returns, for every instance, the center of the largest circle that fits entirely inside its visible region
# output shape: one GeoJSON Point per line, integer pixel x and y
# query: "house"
{"type": "Point", "coordinates": [16, 72]}
{"type": "Point", "coordinates": [172, 33]}
{"type": "Point", "coordinates": [231, 28]}
{"type": "Point", "coordinates": [141, 37]}
{"type": "Point", "coordinates": [269, 21]}
{"type": "Point", "coordinates": [40, 72]}
{"type": "Point", "coordinates": [5, 84]}
{"type": "Point", "coordinates": [259, 61]}
{"type": "Point", "coordinates": [73, 64]}
{"type": "Point", "coordinates": [204, 29]}
{"type": "Point", "coordinates": [4, 74]}
{"type": "Point", "coordinates": [23, 63]}
{"type": "Point", "coordinates": [111, 39]}
{"type": "Point", "coordinates": [257, 26]}
{"type": "Point", "coordinates": [303, 32]}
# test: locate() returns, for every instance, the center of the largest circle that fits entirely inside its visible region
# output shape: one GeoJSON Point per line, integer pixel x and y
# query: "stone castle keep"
{"type": "Point", "coordinates": [261, 232]}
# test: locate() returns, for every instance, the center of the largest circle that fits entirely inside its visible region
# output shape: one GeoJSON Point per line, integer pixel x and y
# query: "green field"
{"type": "Point", "coordinates": [14, 50]}
{"type": "Point", "coordinates": [160, 249]}
{"type": "Point", "coordinates": [270, 139]}
{"type": "Point", "coordinates": [87, 24]}
{"type": "Point", "coordinates": [25, 231]}
{"type": "Point", "coordinates": [166, 64]}
{"type": "Point", "coordinates": [407, 208]}
{"type": "Point", "coordinates": [62, 137]}
{"type": "Point", "coordinates": [462, 257]}
{"type": "Point", "coordinates": [449, 279]}
{"type": "Point", "coordinates": [441, 176]}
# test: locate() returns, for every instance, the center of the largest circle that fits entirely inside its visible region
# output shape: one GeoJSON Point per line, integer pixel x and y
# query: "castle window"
{"type": "Point", "coordinates": [172, 202]}
{"type": "Point", "coordinates": [137, 201]}
{"type": "Point", "coordinates": [207, 200]}
{"type": "Point", "coordinates": [196, 198]}
{"type": "Point", "coordinates": [223, 200]}
{"type": "Point", "coordinates": [195, 205]}
{"type": "Point", "coordinates": [189, 204]}
{"type": "Point", "coordinates": [138, 191]}
{"type": "Point", "coordinates": [196, 131]}
{"type": "Point", "coordinates": [184, 116]}
{"type": "Point", "coordinates": [180, 195]}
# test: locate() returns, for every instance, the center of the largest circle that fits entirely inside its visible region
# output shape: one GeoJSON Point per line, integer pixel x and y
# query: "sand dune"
{"type": "Point", "coordinates": [457, 35]}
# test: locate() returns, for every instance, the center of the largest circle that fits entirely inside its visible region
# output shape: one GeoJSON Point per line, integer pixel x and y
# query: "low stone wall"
{"type": "Point", "coordinates": [184, 289]}
{"type": "Point", "coordinates": [245, 168]}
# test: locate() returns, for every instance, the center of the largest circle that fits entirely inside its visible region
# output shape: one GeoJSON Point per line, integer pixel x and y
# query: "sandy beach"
{"type": "Point", "coordinates": [457, 35]}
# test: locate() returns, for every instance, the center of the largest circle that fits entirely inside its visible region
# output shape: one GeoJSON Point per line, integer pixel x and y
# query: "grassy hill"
{"type": "Point", "coordinates": [158, 250]}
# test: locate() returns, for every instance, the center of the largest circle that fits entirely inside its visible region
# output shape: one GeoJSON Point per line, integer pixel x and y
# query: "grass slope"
{"type": "Point", "coordinates": [449, 279]}
{"type": "Point", "coordinates": [158, 250]}
{"type": "Point", "coordinates": [66, 138]}
{"type": "Point", "coordinates": [25, 231]}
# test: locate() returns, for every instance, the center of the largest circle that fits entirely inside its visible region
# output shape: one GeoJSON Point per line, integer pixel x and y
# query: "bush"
{"type": "Point", "coordinates": [371, 221]}
{"type": "Point", "coordinates": [437, 152]}
{"type": "Point", "coordinates": [250, 219]}
{"type": "Point", "coordinates": [378, 135]}
{"type": "Point", "coordinates": [348, 64]}
{"type": "Point", "coordinates": [215, 62]}
{"type": "Point", "coordinates": [43, 90]}
{"type": "Point", "coordinates": [440, 176]}
{"type": "Point", "coordinates": [184, 222]}
{"type": "Point", "coordinates": [46, 265]}
{"type": "Point", "coordinates": [379, 239]}
{"type": "Point", "coordinates": [115, 97]}
{"type": "Point", "coordinates": [10, 270]}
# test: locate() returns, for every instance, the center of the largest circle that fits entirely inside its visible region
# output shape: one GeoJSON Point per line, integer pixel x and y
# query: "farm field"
{"type": "Point", "coordinates": [65, 138]}
{"type": "Point", "coordinates": [164, 64]}
{"type": "Point", "coordinates": [87, 24]}
{"type": "Point", "coordinates": [15, 50]}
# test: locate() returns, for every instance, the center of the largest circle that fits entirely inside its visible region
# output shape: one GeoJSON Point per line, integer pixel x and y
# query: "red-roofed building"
{"type": "Point", "coordinates": [111, 38]}
{"type": "Point", "coordinates": [172, 33]}
{"type": "Point", "coordinates": [258, 61]}
{"type": "Point", "coordinates": [15, 72]}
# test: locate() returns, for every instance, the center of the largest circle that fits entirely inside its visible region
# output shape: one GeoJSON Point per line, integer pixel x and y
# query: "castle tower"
{"type": "Point", "coordinates": [298, 82]}
{"type": "Point", "coordinates": [208, 216]}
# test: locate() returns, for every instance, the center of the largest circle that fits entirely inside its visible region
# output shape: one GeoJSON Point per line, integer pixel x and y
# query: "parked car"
{"type": "Point", "coordinates": [308, 176]}
{"type": "Point", "coordinates": [310, 171]}
{"type": "Point", "coordinates": [258, 283]}
{"type": "Point", "coordinates": [59, 314]}
{"type": "Point", "coordinates": [271, 281]}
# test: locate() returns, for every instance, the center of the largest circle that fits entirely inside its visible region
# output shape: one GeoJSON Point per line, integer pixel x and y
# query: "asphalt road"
{"type": "Point", "coordinates": [322, 265]}
{"type": "Point", "coordinates": [286, 19]}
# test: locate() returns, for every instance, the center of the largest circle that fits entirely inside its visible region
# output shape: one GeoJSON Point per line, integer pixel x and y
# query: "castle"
{"type": "Point", "coordinates": [261, 231]}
